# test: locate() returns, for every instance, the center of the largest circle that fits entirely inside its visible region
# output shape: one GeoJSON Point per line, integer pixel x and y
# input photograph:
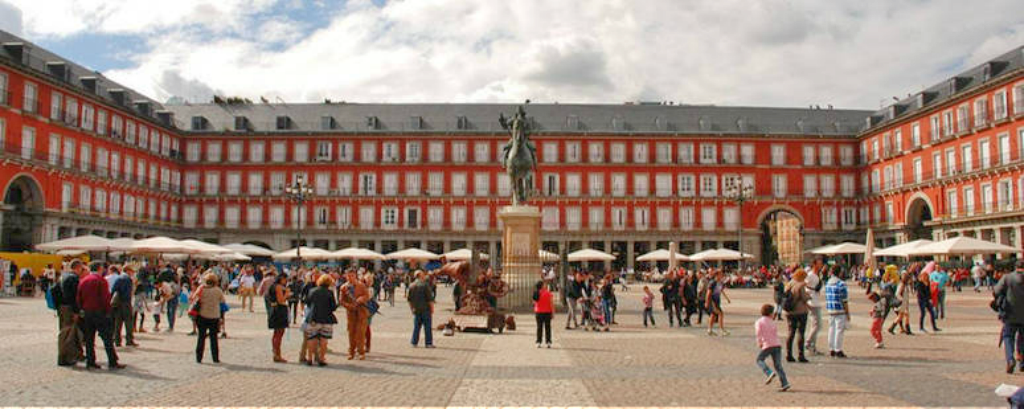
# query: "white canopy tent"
{"type": "Point", "coordinates": [307, 253]}
{"type": "Point", "coordinates": [547, 256]}
{"type": "Point", "coordinates": [85, 243]}
{"type": "Point", "coordinates": [902, 250]}
{"type": "Point", "coordinates": [249, 249]}
{"type": "Point", "coordinates": [590, 255]}
{"type": "Point", "coordinates": [412, 254]}
{"type": "Point", "coordinates": [720, 255]}
{"type": "Point", "coordinates": [162, 245]}
{"type": "Point", "coordinates": [962, 246]}
{"type": "Point", "coordinates": [463, 255]}
{"type": "Point", "coordinates": [841, 248]}
{"type": "Point", "coordinates": [356, 253]}
{"type": "Point", "coordinates": [206, 248]}
{"type": "Point", "coordinates": [662, 255]}
{"type": "Point", "coordinates": [230, 257]}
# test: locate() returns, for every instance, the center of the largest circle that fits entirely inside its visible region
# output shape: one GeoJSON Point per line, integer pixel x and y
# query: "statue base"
{"type": "Point", "coordinates": [521, 264]}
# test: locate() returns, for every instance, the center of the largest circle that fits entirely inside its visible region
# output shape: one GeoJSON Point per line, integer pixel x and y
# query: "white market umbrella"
{"type": "Point", "coordinates": [869, 253]}
{"type": "Point", "coordinates": [206, 248]}
{"type": "Point", "coordinates": [161, 245]}
{"type": "Point", "coordinates": [662, 255]}
{"type": "Point", "coordinates": [841, 248]}
{"type": "Point", "coordinates": [902, 250]}
{"type": "Point", "coordinates": [720, 255]}
{"type": "Point", "coordinates": [249, 249]}
{"type": "Point", "coordinates": [547, 256]}
{"type": "Point", "coordinates": [463, 255]}
{"type": "Point", "coordinates": [590, 255]}
{"type": "Point", "coordinates": [71, 253]}
{"type": "Point", "coordinates": [412, 254]}
{"type": "Point", "coordinates": [356, 253]}
{"type": "Point", "coordinates": [85, 243]}
{"type": "Point", "coordinates": [231, 257]}
{"type": "Point", "coordinates": [962, 245]}
{"type": "Point", "coordinates": [121, 244]}
{"type": "Point", "coordinates": [307, 253]}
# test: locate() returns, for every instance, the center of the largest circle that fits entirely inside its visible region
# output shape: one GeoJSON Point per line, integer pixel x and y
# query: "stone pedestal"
{"type": "Point", "coordinates": [521, 264]}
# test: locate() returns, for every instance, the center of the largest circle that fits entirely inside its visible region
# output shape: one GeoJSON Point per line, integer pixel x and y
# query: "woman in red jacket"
{"type": "Point", "coordinates": [543, 309]}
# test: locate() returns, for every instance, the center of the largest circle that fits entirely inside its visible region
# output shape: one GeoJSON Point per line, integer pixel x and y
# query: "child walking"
{"type": "Point", "coordinates": [767, 338]}
{"type": "Point", "coordinates": [649, 307]}
{"type": "Point", "coordinates": [877, 315]}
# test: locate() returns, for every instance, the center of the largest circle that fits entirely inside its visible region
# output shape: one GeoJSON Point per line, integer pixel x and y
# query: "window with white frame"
{"type": "Point", "coordinates": [66, 196]}
{"type": "Point", "coordinates": [663, 185]}
{"type": "Point", "coordinates": [778, 154]}
{"type": "Point", "coordinates": [664, 218]}
{"type": "Point", "coordinates": [550, 152]}
{"type": "Point", "coordinates": [321, 217]}
{"type": "Point", "coordinates": [345, 184]}
{"type": "Point", "coordinates": [687, 184]}
{"type": "Point", "coordinates": [390, 153]}
{"type": "Point", "coordinates": [828, 185]}
{"type": "Point", "coordinates": [346, 151]}
{"type": "Point", "coordinates": [686, 218]}
{"type": "Point", "coordinates": [390, 184]}
{"type": "Point", "coordinates": [460, 153]}
{"type": "Point", "coordinates": [731, 218]}
{"type": "Point", "coordinates": [890, 182]}
{"type": "Point", "coordinates": [481, 152]}
{"type": "Point", "coordinates": [729, 153]}
{"type": "Point", "coordinates": [963, 113]}
{"type": "Point", "coordinates": [367, 184]}
{"type": "Point", "coordinates": [595, 183]}
{"type": "Point", "coordinates": [413, 184]}
{"type": "Point", "coordinates": [980, 112]}
{"type": "Point", "coordinates": [641, 184]}
{"type": "Point", "coordinates": [947, 123]}
{"type": "Point", "coordinates": [937, 164]}
{"type": "Point", "coordinates": [573, 218]}
{"type": "Point", "coordinates": [967, 157]}
{"type": "Point", "coordinates": [595, 152]}
{"type": "Point", "coordinates": [458, 218]}
{"type": "Point", "coordinates": [572, 184]}
{"type": "Point", "coordinates": [618, 184]}
{"type": "Point", "coordinates": [413, 152]}
{"type": "Point", "coordinates": [825, 155]}
{"type": "Point", "coordinates": [343, 215]}
{"type": "Point", "coordinates": [366, 218]}
{"type": "Point", "coordinates": [231, 217]}
{"type": "Point", "coordinates": [436, 151]}
{"type": "Point", "coordinates": [876, 181]}
{"type": "Point", "coordinates": [481, 218]}
{"type": "Point", "coordinates": [846, 185]}
{"type": "Point", "coordinates": [210, 213]}
{"type": "Point", "coordinates": [708, 153]}
{"type": "Point", "coordinates": [211, 183]}
{"type": "Point", "coordinates": [504, 185]}
{"type": "Point", "coordinates": [189, 215]}
{"type": "Point", "coordinates": [641, 218]}
{"type": "Point", "coordinates": [779, 185]}
{"type": "Point", "coordinates": [708, 218]}
{"type": "Point", "coordinates": [849, 221]}
{"type": "Point", "coordinates": [618, 154]}
{"type": "Point", "coordinates": [918, 166]}
{"type": "Point", "coordinates": [323, 151]}
{"type": "Point", "coordinates": [640, 153]}
{"type": "Point", "coordinates": [549, 218]}
{"type": "Point", "coordinates": [276, 216]}
{"type": "Point", "coordinates": [897, 136]}
{"type": "Point", "coordinates": [987, 201]}
{"type": "Point", "coordinates": [459, 184]}
{"type": "Point", "coordinates": [999, 105]}
{"type": "Point", "coordinates": [435, 217]}
{"type": "Point", "coordinates": [708, 185]}
{"type": "Point", "coordinates": [890, 214]}
{"type": "Point", "coordinates": [969, 200]}
{"type": "Point", "coordinates": [810, 185]}
{"type": "Point", "coordinates": [572, 152]}
{"type": "Point", "coordinates": [1004, 192]}
{"type": "Point", "coordinates": [192, 151]}
{"type": "Point", "coordinates": [368, 151]}
{"type": "Point", "coordinates": [234, 182]}
{"type": "Point", "coordinates": [829, 218]}
{"type": "Point", "coordinates": [618, 218]}
{"type": "Point", "coordinates": [213, 151]}
{"type": "Point", "coordinates": [1004, 148]}
{"type": "Point", "coordinates": [322, 183]}
{"type": "Point", "coordinates": [915, 134]}
{"type": "Point", "coordinates": [481, 184]}
{"type": "Point", "coordinates": [551, 185]}
{"type": "Point", "coordinates": [435, 183]}
{"type": "Point", "coordinates": [278, 151]}
{"type": "Point", "coordinates": [984, 153]}
{"type": "Point", "coordinates": [192, 183]}
{"type": "Point", "coordinates": [685, 153]}
{"type": "Point", "coordinates": [663, 152]}
{"type": "Point", "coordinates": [101, 200]}
{"type": "Point", "coordinates": [255, 183]}
{"type": "Point", "coordinates": [413, 220]}
{"type": "Point", "coordinates": [952, 203]}
{"type": "Point", "coordinates": [595, 219]}
{"type": "Point", "coordinates": [747, 154]}
{"type": "Point", "coordinates": [808, 155]}
{"type": "Point", "coordinates": [389, 218]}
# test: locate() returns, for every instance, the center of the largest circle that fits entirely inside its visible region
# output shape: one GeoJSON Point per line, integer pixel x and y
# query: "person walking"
{"type": "Point", "coordinates": [923, 289]}
{"type": "Point", "coordinates": [209, 297]}
{"type": "Point", "coordinates": [608, 300]}
{"type": "Point", "coordinates": [715, 292]}
{"type": "Point", "coordinates": [320, 322]}
{"type": "Point", "coordinates": [878, 307]}
{"type": "Point", "coordinates": [649, 307]}
{"type": "Point", "coordinates": [940, 277]}
{"type": "Point", "coordinates": [572, 295]}
{"type": "Point", "coordinates": [670, 299]}
{"type": "Point", "coordinates": [94, 300]}
{"type": "Point", "coordinates": [247, 288]}
{"type": "Point", "coordinates": [1009, 303]}
{"type": "Point", "coordinates": [978, 272]}
{"type": "Point", "coordinates": [124, 318]}
{"type": "Point", "coordinates": [276, 299]}
{"type": "Point", "coordinates": [814, 283]}
{"type": "Point", "coordinates": [837, 304]}
{"type": "Point", "coordinates": [421, 302]}
{"type": "Point", "coordinates": [902, 305]}
{"type": "Point", "coordinates": [69, 339]}
{"type": "Point", "coordinates": [543, 308]}
{"type": "Point", "coordinates": [354, 296]}
{"type": "Point", "coordinates": [795, 304]}
{"type": "Point", "coordinates": [688, 295]}
{"type": "Point", "coordinates": [767, 336]}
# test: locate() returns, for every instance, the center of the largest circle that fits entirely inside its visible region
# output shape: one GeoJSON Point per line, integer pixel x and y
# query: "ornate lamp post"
{"type": "Point", "coordinates": [299, 191]}
{"type": "Point", "coordinates": [738, 193]}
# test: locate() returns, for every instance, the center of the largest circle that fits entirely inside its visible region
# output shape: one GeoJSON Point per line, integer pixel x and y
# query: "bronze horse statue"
{"type": "Point", "coordinates": [519, 156]}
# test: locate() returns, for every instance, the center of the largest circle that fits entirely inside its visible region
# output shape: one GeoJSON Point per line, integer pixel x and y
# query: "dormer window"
{"type": "Point", "coordinates": [372, 122]}
{"type": "Point", "coordinates": [462, 123]}
{"type": "Point", "coordinates": [199, 123]}
{"type": "Point", "coordinates": [327, 123]}
{"type": "Point", "coordinates": [618, 123]}
{"type": "Point", "coordinates": [241, 123]}
{"type": "Point", "coordinates": [416, 122]}
{"type": "Point", "coordinates": [572, 122]}
{"type": "Point", "coordinates": [284, 122]}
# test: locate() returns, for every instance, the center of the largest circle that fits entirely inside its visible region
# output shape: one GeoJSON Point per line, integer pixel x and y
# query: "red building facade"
{"type": "Point", "coordinates": [85, 155]}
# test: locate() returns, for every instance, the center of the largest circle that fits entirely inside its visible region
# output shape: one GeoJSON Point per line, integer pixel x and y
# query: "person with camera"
{"type": "Point", "coordinates": [1009, 303]}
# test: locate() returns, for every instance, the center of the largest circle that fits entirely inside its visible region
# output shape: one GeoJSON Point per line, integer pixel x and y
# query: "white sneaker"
{"type": "Point", "coordinates": [879, 345]}
{"type": "Point", "coordinates": [538, 345]}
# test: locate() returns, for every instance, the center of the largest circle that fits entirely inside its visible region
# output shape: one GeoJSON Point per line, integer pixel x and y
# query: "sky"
{"type": "Point", "coordinates": [849, 54]}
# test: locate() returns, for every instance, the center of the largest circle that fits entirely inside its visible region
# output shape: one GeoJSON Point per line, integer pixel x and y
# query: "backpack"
{"type": "Point", "coordinates": [373, 306]}
{"type": "Point", "coordinates": [788, 301]}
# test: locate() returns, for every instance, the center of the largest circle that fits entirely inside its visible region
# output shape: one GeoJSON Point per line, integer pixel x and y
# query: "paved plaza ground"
{"type": "Point", "coordinates": [630, 366]}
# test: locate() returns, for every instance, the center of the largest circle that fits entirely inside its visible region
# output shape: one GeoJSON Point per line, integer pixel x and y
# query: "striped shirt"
{"type": "Point", "coordinates": [835, 296]}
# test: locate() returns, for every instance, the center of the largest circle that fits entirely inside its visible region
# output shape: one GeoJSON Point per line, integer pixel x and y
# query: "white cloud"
{"type": "Point", "coordinates": [788, 53]}
{"type": "Point", "coordinates": [10, 18]}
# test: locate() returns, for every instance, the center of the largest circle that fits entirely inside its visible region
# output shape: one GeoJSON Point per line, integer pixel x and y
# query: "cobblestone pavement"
{"type": "Point", "coordinates": [629, 366]}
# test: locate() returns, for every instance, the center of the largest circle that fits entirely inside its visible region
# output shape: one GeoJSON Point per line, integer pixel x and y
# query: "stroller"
{"type": "Point", "coordinates": [593, 314]}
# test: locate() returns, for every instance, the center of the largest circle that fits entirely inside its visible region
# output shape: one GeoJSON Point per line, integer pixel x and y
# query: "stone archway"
{"type": "Point", "coordinates": [919, 211]}
{"type": "Point", "coordinates": [782, 231]}
{"type": "Point", "coordinates": [22, 214]}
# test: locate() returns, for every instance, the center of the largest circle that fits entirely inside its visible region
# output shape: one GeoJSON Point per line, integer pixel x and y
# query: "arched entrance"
{"type": "Point", "coordinates": [782, 236]}
{"type": "Point", "coordinates": [22, 214]}
{"type": "Point", "coordinates": [919, 211]}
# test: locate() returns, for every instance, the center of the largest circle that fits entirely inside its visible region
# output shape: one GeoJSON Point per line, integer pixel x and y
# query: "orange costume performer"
{"type": "Point", "coordinates": [354, 296]}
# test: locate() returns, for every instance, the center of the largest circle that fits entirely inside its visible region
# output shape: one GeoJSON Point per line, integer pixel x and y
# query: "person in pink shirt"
{"type": "Point", "coordinates": [767, 338]}
{"type": "Point", "coordinates": [649, 307]}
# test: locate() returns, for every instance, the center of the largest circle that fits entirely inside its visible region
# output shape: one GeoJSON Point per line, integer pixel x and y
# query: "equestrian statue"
{"type": "Point", "coordinates": [519, 156]}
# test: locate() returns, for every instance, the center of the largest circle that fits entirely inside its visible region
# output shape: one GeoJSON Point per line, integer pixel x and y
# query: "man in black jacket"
{"type": "Point", "coordinates": [69, 339]}
{"type": "Point", "coordinates": [421, 302]}
{"type": "Point", "coordinates": [671, 298]}
{"type": "Point", "coordinates": [573, 291]}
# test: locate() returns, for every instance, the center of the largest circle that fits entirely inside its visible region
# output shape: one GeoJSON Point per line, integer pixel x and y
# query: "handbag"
{"type": "Point", "coordinates": [194, 310]}
{"type": "Point", "coordinates": [50, 302]}
{"type": "Point", "coordinates": [224, 307]}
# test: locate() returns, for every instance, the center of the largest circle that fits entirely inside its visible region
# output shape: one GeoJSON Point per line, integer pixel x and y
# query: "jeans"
{"type": "Point", "coordinates": [124, 319]}
{"type": "Point", "coordinates": [1013, 340]}
{"type": "Point", "coordinates": [92, 323]}
{"type": "Point", "coordinates": [208, 327]}
{"type": "Point", "coordinates": [544, 327]}
{"type": "Point", "coordinates": [940, 309]}
{"type": "Point", "coordinates": [675, 306]}
{"type": "Point", "coordinates": [570, 309]}
{"type": "Point", "coordinates": [836, 331]}
{"type": "Point", "coordinates": [815, 318]}
{"type": "Point", "coordinates": [797, 328]}
{"type": "Point", "coordinates": [172, 309]}
{"type": "Point", "coordinates": [926, 306]}
{"type": "Point", "coordinates": [649, 313]}
{"type": "Point", "coordinates": [776, 354]}
{"type": "Point", "coordinates": [607, 307]}
{"type": "Point", "coordinates": [422, 319]}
